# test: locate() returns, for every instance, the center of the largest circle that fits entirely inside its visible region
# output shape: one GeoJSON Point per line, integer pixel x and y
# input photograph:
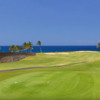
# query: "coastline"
{"type": "Point", "coordinates": [46, 49]}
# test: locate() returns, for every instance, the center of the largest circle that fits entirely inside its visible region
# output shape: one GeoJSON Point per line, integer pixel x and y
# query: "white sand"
{"type": "Point", "coordinates": [85, 51]}
{"type": "Point", "coordinates": [62, 53]}
{"type": "Point", "coordinates": [50, 53]}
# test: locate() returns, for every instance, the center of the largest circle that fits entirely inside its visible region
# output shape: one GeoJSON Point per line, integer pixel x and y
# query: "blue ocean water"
{"type": "Point", "coordinates": [55, 48]}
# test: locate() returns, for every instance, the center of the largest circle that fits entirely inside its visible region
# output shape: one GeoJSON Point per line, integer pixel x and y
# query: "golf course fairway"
{"type": "Point", "coordinates": [73, 82]}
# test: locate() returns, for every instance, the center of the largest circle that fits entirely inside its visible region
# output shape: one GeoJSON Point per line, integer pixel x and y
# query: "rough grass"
{"type": "Point", "coordinates": [52, 60]}
{"type": "Point", "coordinates": [76, 82]}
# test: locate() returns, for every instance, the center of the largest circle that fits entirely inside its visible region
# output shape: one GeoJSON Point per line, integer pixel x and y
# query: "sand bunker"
{"type": "Point", "coordinates": [50, 53]}
{"type": "Point", "coordinates": [85, 51]}
{"type": "Point", "coordinates": [64, 53]}
{"type": "Point", "coordinates": [58, 53]}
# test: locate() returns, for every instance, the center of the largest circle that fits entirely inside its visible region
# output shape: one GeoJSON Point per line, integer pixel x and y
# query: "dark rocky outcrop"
{"type": "Point", "coordinates": [12, 57]}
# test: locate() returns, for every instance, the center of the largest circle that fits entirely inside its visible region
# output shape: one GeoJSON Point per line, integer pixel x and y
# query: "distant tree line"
{"type": "Point", "coordinates": [25, 47]}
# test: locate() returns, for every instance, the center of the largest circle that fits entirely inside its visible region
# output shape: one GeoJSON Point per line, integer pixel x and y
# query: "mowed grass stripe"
{"type": "Point", "coordinates": [61, 84]}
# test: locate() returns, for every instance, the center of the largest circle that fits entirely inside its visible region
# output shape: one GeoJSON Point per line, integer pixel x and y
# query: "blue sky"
{"type": "Point", "coordinates": [54, 22]}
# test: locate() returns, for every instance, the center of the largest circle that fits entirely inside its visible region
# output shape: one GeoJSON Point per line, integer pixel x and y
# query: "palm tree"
{"type": "Point", "coordinates": [39, 43]}
{"type": "Point", "coordinates": [18, 48]}
{"type": "Point", "coordinates": [98, 45]}
{"type": "Point", "coordinates": [0, 48]}
{"type": "Point", "coordinates": [26, 46]}
{"type": "Point", "coordinates": [12, 48]}
{"type": "Point", "coordinates": [30, 45]}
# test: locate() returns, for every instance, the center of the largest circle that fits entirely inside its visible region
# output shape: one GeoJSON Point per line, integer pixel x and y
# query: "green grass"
{"type": "Point", "coordinates": [52, 60]}
{"type": "Point", "coordinates": [76, 82]}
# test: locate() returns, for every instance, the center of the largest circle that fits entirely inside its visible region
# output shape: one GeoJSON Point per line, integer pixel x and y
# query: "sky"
{"type": "Point", "coordinates": [53, 22]}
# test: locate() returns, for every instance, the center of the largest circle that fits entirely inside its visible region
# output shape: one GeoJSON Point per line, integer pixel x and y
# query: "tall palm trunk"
{"type": "Point", "coordinates": [40, 48]}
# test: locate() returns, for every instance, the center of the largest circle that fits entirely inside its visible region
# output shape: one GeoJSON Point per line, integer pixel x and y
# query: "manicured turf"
{"type": "Point", "coordinates": [76, 82]}
{"type": "Point", "coordinates": [52, 60]}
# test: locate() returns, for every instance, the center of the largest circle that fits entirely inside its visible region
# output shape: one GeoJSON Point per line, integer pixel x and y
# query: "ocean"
{"type": "Point", "coordinates": [55, 48]}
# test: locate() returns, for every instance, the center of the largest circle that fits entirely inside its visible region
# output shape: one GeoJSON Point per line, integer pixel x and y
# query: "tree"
{"type": "Point", "coordinates": [18, 48]}
{"type": "Point", "coordinates": [39, 43]}
{"type": "Point", "coordinates": [12, 48]}
{"type": "Point", "coordinates": [0, 48]}
{"type": "Point", "coordinates": [98, 46]}
{"type": "Point", "coordinates": [30, 45]}
{"type": "Point", "coordinates": [26, 46]}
